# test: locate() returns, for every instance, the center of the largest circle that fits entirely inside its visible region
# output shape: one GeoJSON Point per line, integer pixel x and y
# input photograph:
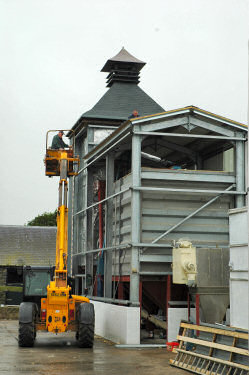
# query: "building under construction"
{"type": "Point", "coordinates": [146, 185]}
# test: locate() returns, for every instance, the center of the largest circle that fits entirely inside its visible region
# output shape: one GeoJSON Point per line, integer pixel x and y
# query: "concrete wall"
{"type": "Point", "coordinates": [119, 324]}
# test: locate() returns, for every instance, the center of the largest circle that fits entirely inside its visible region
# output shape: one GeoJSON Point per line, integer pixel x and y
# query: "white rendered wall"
{"type": "Point", "coordinates": [175, 315]}
{"type": "Point", "coordinates": [119, 324]}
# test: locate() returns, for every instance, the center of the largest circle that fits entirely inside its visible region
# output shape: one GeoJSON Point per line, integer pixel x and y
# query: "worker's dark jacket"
{"type": "Point", "coordinates": [58, 143]}
{"type": "Point", "coordinates": [132, 116]}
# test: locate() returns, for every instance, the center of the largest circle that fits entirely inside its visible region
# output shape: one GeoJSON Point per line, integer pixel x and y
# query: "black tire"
{"type": "Point", "coordinates": [86, 320]}
{"type": "Point", "coordinates": [86, 335]}
{"type": "Point", "coordinates": [26, 337]}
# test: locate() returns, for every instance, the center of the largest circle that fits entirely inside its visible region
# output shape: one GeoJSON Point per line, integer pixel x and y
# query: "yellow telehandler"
{"type": "Point", "coordinates": [49, 304]}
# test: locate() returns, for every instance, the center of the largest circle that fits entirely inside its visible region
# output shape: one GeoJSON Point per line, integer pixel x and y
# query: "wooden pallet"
{"type": "Point", "coordinates": [207, 355]}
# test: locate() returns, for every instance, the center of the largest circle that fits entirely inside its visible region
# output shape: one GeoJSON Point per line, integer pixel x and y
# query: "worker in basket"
{"type": "Point", "coordinates": [57, 142]}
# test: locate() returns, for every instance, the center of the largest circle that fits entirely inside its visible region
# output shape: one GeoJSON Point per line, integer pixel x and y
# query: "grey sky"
{"type": "Point", "coordinates": [52, 52]}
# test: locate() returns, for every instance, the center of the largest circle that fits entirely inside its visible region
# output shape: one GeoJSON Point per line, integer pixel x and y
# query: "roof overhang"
{"type": "Point", "coordinates": [126, 128]}
{"type": "Point", "coordinates": [192, 110]}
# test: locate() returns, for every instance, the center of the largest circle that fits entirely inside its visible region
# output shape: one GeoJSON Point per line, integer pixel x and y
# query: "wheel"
{"type": "Point", "coordinates": [26, 337]}
{"type": "Point", "coordinates": [86, 319]}
{"type": "Point", "coordinates": [86, 335]}
{"type": "Point", "coordinates": [27, 328]}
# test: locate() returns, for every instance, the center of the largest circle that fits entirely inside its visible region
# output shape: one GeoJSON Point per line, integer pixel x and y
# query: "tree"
{"type": "Point", "coordinates": [47, 219]}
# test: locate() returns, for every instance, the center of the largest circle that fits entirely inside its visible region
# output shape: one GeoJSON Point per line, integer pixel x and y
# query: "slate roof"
{"type": "Point", "coordinates": [119, 102]}
{"type": "Point", "coordinates": [124, 95]}
{"type": "Point", "coordinates": [23, 245]}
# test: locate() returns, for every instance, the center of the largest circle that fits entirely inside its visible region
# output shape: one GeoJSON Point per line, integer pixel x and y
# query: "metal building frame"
{"type": "Point", "coordinates": [133, 132]}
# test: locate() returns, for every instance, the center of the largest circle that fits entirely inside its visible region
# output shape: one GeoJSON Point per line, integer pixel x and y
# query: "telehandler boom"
{"type": "Point", "coordinates": [59, 311]}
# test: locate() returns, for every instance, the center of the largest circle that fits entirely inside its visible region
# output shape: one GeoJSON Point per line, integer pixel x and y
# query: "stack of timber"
{"type": "Point", "coordinates": [209, 350]}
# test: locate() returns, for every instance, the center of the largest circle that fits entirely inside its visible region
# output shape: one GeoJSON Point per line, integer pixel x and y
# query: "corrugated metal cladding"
{"type": "Point", "coordinates": [162, 210]}
{"type": "Point", "coordinates": [24, 245]}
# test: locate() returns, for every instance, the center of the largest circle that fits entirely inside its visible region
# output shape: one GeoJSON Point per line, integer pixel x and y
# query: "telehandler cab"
{"type": "Point", "coordinates": [48, 303]}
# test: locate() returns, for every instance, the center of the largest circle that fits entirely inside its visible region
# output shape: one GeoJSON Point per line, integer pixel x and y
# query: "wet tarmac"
{"type": "Point", "coordinates": [60, 355]}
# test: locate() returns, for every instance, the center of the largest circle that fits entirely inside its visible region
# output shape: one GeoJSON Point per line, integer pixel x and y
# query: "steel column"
{"type": "Point", "coordinates": [101, 194]}
{"type": "Point", "coordinates": [108, 226]}
{"type": "Point", "coordinates": [88, 198]}
{"type": "Point", "coordinates": [135, 217]}
{"type": "Point", "coordinates": [89, 231]}
{"type": "Point", "coordinates": [70, 224]}
{"type": "Point", "coordinates": [75, 222]}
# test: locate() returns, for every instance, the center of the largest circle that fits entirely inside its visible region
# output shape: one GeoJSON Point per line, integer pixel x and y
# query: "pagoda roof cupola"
{"type": "Point", "coordinates": [123, 68]}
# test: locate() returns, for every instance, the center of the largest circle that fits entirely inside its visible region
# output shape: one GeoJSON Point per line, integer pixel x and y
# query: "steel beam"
{"type": "Point", "coordinates": [198, 136]}
{"type": "Point", "coordinates": [182, 175]}
{"type": "Point", "coordinates": [152, 273]}
{"type": "Point", "coordinates": [166, 124]}
{"type": "Point", "coordinates": [212, 127]}
{"type": "Point", "coordinates": [146, 244]}
{"type": "Point", "coordinates": [176, 190]}
{"type": "Point", "coordinates": [102, 127]}
{"type": "Point", "coordinates": [220, 119]}
{"type": "Point", "coordinates": [167, 245]}
{"type": "Point", "coordinates": [102, 201]}
{"type": "Point", "coordinates": [175, 147]}
{"type": "Point", "coordinates": [156, 258]}
{"type": "Point", "coordinates": [121, 247]}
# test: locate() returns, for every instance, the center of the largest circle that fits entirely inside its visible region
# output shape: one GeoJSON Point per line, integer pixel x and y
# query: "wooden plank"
{"type": "Point", "coordinates": [237, 365]}
{"type": "Point", "coordinates": [214, 345]}
{"type": "Point", "coordinates": [218, 331]}
{"type": "Point", "coordinates": [194, 369]}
